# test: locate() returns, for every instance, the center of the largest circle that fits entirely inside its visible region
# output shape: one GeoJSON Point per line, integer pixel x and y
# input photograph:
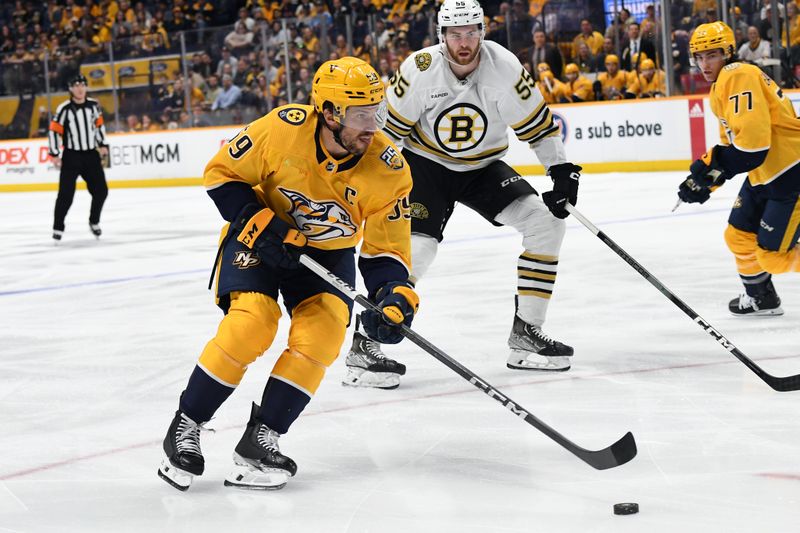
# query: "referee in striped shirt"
{"type": "Point", "coordinates": [78, 125]}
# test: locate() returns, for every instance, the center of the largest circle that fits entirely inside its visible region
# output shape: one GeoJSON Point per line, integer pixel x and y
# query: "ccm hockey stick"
{"type": "Point", "coordinates": [782, 384]}
{"type": "Point", "coordinates": [617, 454]}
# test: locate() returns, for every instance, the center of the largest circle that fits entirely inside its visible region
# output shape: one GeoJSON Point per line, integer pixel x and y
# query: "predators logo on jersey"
{"type": "Point", "coordinates": [245, 260]}
{"type": "Point", "coordinates": [318, 221]}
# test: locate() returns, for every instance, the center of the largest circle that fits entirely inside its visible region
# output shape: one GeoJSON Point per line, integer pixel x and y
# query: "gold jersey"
{"type": "Point", "coordinates": [613, 86]}
{"type": "Point", "coordinates": [333, 202]}
{"type": "Point", "coordinates": [581, 87]}
{"type": "Point", "coordinates": [641, 85]}
{"type": "Point", "coordinates": [755, 115]}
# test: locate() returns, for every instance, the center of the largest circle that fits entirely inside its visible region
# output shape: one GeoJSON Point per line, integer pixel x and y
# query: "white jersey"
{"type": "Point", "coordinates": [462, 124]}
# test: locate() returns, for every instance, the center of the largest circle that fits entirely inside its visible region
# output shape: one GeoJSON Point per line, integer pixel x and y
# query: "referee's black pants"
{"type": "Point", "coordinates": [86, 164]}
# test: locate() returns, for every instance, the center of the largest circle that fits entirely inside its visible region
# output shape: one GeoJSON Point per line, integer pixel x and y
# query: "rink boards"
{"type": "Point", "coordinates": [635, 136]}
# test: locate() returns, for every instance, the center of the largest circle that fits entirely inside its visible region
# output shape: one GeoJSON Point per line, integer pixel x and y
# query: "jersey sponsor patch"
{"type": "Point", "coordinates": [422, 61]}
{"type": "Point", "coordinates": [460, 128]}
{"type": "Point", "coordinates": [292, 115]}
{"type": "Point", "coordinates": [732, 66]}
{"type": "Point", "coordinates": [392, 158]}
{"type": "Point", "coordinates": [318, 221]}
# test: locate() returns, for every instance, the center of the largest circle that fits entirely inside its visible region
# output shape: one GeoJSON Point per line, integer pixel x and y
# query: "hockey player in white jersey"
{"type": "Point", "coordinates": [451, 105]}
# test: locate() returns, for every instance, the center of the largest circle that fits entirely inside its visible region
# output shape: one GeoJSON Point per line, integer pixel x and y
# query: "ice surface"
{"type": "Point", "coordinates": [98, 338]}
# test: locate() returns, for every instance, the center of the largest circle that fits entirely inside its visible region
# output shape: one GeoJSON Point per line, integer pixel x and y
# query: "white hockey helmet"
{"type": "Point", "coordinates": [459, 13]}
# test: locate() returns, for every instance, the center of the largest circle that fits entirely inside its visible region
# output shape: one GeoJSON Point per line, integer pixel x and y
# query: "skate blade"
{"type": "Point", "coordinates": [764, 312]}
{"type": "Point", "coordinates": [180, 479]}
{"type": "Point", "coordinates": [359, 377]}
{"type": "Point", "coordinates": [248, 477]}
{"type": "Point", "coordinates": [522, 360]}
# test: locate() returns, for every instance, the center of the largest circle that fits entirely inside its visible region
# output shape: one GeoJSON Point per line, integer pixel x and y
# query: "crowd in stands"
{"type": "Point", "coordinates": [236, 50]}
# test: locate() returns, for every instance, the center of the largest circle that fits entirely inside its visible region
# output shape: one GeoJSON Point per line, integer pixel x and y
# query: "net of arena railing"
{"type": "Point", "coordinates": [232, 74]}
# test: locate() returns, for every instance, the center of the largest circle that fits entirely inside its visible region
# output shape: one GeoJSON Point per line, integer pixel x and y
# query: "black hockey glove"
{"type": "Point", "coordinates": [706, 174]}
{"type": "Point", "coordinates": [276, 243]}
{"type": "Point", "coordinates": [565, 188]}
{"type": "Point", "coordinates": [398, 303]}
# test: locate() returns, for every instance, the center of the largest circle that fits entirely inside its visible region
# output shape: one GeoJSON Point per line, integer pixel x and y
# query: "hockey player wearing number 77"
{"type": "Point", "coordinates": [760, 135]}
{"type": "Point", "coordinates": [451, 105]}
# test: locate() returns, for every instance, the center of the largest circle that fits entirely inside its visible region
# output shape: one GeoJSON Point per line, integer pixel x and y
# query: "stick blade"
{"type": "Point", "coordinates": [785, 384]}
{"type": "Point", "coordinates": [615, 455]}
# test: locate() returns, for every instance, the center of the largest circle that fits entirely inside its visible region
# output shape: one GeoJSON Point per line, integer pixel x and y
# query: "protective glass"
{"type": "Point", "coordinates": [365, 117]}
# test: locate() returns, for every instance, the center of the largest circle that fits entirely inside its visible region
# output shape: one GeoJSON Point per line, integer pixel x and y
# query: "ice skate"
{"type": "Point", "coordinates": [368, 366]}
{"type": "Point", "coordinates": [182, 456]}
{"type": "Point", "coordinates": [258, 463]}
{"type": "Point", "coordinates": [57, 235]}
{"type": "Point", "coordinates": [95, 229]}
{"type": "Point", "coordinates": [766, 304]}
{"type": "Point", "coordinates": [532, 349]}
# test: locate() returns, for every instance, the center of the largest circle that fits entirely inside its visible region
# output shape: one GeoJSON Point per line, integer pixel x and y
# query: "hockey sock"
{"type": "Point", "coordinates": [536, 276]}
{"type": "Point", "coordinates": [203, 396]}
{"type": "Point", "coordinates": [281, 404]}
{"type": "Point", "coordinates": [756, 284]}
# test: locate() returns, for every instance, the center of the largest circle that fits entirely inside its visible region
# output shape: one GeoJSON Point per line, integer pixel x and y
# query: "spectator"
{"type": "Point", "coordinates": [199, 118]}
{"type": "Point", "coordinates": [228, 96]}
{"type": "Point", "coordinates": [132, 123]}
{"type": "Point", "coordinates": [148, 124]}
{"type": "Point", "coordinates": [755, 48]}
{"type": "Point", "coordinates": [600, 59]}
{"type": "Point", "coordinates": [240, 40]}
{"type": "Point", "coordinates": [585, 60]}
{"type": "Point", "coordinates": [593, 39]}
{"type": "Point", "coordinates": [226, 59]}
{"type": "Point", "coordinates": [636, 44]}
{"type": "Point", "coordinates": [212, 88]}
{"type": "Point", "coordinates": [544, 52]}
{"type": "Point", "coordinates": [521, 25]}
{"type": "Point", "coordinates": [620, 25]}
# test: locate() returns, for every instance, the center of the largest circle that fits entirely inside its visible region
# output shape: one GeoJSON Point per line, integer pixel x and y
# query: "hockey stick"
{"type": "Point", "coordinates": [617, 454]}
{"type": "Point", "coordinates": [782, 384]}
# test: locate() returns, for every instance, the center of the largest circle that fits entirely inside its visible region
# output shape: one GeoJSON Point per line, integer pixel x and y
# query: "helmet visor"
{"type": "Point", "coordinates": [365, 117]}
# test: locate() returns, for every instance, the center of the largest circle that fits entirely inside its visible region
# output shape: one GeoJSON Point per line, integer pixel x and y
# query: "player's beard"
{"type": "Point", "coordinates": [354, 141]}
{"type": "Point", "coordinates": [456, 56]}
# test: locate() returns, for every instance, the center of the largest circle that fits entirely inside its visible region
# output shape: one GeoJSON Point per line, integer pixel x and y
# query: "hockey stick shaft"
{"type": "Point", "coordinates": [782, 384]}
{"type": "Point", "coordinates": [617, 454]}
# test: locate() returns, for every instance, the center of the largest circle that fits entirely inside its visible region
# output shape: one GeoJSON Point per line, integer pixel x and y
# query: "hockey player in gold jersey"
{"type": "Point", "coordinates": [760, 135]}
{"type": "Point", "coordinates": [302, 179]}
{"type": "Point", "coordinates": [610, 85]}
{"type": "Point", "coordinates": [578, 88]}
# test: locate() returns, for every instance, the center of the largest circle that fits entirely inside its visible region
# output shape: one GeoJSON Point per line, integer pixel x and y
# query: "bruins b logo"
{"type": "Point", "coordinates": [423, 61]}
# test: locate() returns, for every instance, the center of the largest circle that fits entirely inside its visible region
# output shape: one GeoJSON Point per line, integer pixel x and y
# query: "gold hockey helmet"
{"type": "Point", "coordinates": [711, 36]}
{"type": "Point", "coordinates": [348, 83]}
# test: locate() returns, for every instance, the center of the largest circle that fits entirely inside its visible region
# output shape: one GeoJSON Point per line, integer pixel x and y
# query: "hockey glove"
{"type": "Point", "coordinates": [706, 175]}
{"type": "Point", "coordinates": [276, 243]}
{"type": "Point", "coordinates": [565, 188]}
{"type": "Point", "coordinates": [398, 303]}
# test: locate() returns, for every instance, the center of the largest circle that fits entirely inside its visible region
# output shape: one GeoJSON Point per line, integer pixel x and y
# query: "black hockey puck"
{"type": "Point", "coordinates": [626, 508]}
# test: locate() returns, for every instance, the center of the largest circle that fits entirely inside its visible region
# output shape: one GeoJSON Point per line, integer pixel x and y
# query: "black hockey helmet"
{"type": "Point", "coordinates": [77, 78]}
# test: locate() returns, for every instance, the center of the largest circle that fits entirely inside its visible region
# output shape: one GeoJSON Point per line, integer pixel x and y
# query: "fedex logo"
{"type": "Point", "coordinates": [14, 156]}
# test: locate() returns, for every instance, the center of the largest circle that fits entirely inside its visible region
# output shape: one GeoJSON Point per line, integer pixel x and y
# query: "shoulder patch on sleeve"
{"type": "Point", "coordinates": [732, 66]}
{"type": "Point", "coordinates": [392, 158]}
{"type": "Point", "coordinates": [422, 61]}
{"type": "Point", "coordinates": [292, 115]}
